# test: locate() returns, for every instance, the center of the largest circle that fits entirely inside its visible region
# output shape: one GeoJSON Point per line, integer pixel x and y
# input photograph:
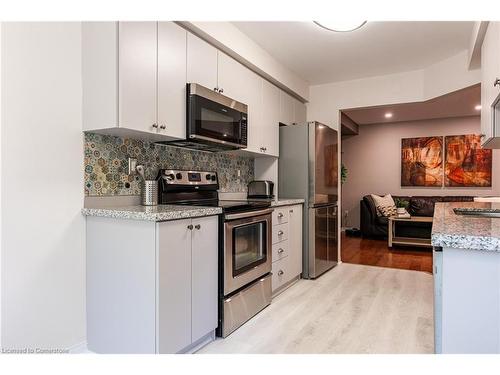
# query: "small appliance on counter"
{"type": "Point", "coordinates": [261, 189]}
{"type": "Point", "coordinates": [245, 243]}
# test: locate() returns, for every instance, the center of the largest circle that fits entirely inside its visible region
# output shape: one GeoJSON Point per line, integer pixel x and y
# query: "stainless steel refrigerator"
{"type": "Point", "coordinates": [308, 168]}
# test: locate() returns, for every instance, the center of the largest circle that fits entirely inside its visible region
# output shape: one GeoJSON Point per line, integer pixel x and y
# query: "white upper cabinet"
{"type": "Point", "coordinates": [241, 84]}
{"type": "Point", "coordinates": [201, 62]}
{"type": "Point", "coordinates": [171, 80]}
{"type": "Point", "coordinates": [299, 112]}
{"type": "Point", "coordinates": [269, 129]}
{"type": "Point", "coordinates": [286, 108]}
{"type": "Point", "coordinates": [490, 72]}
{"type": "Point", "coordinates": [134, 77]}
{"type": "Point", "coordinates": [137, 75]}
{"type": "Point", "coordinates": [292, 111]}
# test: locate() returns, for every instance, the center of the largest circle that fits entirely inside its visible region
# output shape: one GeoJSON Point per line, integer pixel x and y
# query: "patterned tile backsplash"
{"type": "Point", "coordinates": [106, 164]}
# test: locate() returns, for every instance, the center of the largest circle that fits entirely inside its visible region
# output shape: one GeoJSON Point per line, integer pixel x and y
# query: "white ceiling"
{"type": "Point", "coordinates": [378, 48]}
{"type": "Point", "coordinates": [459, 103]}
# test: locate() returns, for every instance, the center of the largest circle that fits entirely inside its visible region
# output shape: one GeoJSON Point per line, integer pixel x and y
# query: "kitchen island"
{"type": "Point", "coordinates": [466, 279]}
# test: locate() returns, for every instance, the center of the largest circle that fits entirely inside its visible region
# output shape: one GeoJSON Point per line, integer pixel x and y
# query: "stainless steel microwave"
{"type": "Point", "coordinates": [214, 121]}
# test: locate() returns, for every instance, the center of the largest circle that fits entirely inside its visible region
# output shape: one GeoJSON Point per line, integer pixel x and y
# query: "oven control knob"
{"type": "Point", "coordinates": [213, 177]}
{"type": "Point", "coordinates": [170, 177]}
{"type": "Point", "coordinates": [208, 177]}
{"type": "Point", "coordinates": [178, 176]}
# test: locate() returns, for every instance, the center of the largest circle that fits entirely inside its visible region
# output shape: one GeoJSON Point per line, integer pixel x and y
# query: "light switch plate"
{"type": "Point", "coordinates": [132, 163]}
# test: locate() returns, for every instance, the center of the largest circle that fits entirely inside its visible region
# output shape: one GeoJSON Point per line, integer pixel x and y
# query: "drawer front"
{"type": "Point", "coordinates": [280, 250]}
{"type": "Point", "coordinates": [280, 233]}
{"type": "Point", "coordinates": [245, 304]}
{"type": "Point", "coordinates": [280, 215]}
{"type": "Point", "coordinates": [281, 273]}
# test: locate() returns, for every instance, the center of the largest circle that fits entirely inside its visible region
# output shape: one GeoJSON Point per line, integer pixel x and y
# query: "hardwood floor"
{"type": "Point", "coordinates": [370, 252]}
{"type": "Point", "coordinates": [349, 309]}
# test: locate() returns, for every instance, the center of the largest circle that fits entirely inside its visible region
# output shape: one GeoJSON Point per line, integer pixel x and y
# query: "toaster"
{"type": "Point", "coordinates": [261, 189]}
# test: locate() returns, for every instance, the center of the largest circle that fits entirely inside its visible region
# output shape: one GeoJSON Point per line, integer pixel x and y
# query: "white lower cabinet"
{"type": "Point", "coordinates": [287, 246]}
{"type": "Point", "coordinates": [151, 287]}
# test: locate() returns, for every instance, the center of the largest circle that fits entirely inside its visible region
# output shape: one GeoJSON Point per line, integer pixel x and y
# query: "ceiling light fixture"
{"type": "Point", "coordinates": [340, 26]}
{"type": "Point", "coordinates": [478, 107]}
{"type": "Point", "coordinates": [388, 115]}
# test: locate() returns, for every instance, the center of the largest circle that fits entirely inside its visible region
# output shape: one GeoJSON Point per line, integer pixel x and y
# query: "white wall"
{"type": "Point", "coordinates": [43, 242]}
{"type": "Point", "coordinates": [373, 160]}
{"type": "Point", "coordinates": [446, 76]}
{"type": "Point", "coordinates": [231, 40]}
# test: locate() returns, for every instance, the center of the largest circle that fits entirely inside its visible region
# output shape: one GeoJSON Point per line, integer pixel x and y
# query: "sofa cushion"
{"type": "Point", "coordinates": [458, 198]}
{"type": "Point", "coordinates": [385, 205]}
{"type": "Point", "coordinates": [423, 206]}
{"type": "Point", "coordinates": [382, 220]}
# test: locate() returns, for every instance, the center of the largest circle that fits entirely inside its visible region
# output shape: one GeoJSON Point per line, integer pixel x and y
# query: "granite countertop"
{"type": "Point", "coordinates": [152, 213]}
{"type": "Point", "coordinates": [286, 202]}
{"type": "Point", "coordinates": [465, 232]}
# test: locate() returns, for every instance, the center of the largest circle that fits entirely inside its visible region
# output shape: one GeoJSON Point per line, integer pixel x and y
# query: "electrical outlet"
{"type": "Point", "coordinates": [132, 164]}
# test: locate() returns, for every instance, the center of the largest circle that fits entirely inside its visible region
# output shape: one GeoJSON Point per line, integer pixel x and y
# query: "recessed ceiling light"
{"type": "Point", "coordinates": [388, 115]}
{"type": "Point", "coordinates": [478, 107]}
{"type": "Point", "coordinates": [340, 26]}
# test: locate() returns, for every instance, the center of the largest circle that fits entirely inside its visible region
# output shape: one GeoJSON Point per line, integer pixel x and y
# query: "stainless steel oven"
{"type": "Point", "coordinates": [247, 248]}
{"type": "Point", "coordinates": [246, 268]}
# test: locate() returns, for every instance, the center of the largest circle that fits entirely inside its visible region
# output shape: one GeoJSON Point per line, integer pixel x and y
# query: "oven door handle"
{"type": "Point", "coordinates": [243, 215]}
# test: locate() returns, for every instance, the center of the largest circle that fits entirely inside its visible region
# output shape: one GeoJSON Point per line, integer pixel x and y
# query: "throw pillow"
{"type": "Point", "coordinates": [387, 210]}
{"type": "Point", "coordinates": [385, 205]}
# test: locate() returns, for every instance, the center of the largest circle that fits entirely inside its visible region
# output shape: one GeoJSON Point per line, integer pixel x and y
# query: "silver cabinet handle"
{"type": "Point", "coordinates": [163, 127]}
{"type": "Point", "coordinates": [280, 272]}
{"type": "Point", "coordinates": [155, 125]}
{"type": "Point", "coordinates": [190, 226]}
{"type": "Point", "coordinates": [280, 233]}
{"type": "Point", "coordinates": [280, 215]}
{"type": "Point", "coordinates": [497, 82]}
{"type": "Point", "coordinates": [280, 250]}
{"type": "Point", "coordinates": [197, 226]}
{"type": "Point", "coordinates": [291, 211]}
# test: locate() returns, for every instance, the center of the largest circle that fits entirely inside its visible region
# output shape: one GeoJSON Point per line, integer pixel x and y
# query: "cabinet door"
{"type": "Point", "coordinates": [269, 129]}
{"type": "Point", "coordinates": [243, 85]}
{"type": "Point", "coordinates": [171, 80]}
{"type": "Point", "coordinates": [295, 239]}
{"type": "Point", "coordinates": [137, 75]}
{"type": "Point", "coordinates": [286, 108]}
{"type": "Point", "coordinates": [173, 285]}
{"type": "Point", "coordinates": [204, 276]}
{"type": "Point", "coordinates": [201, 62]}
{"type": "Point", "coordinates": [299, 112]}
{"type": "Point", "coordinates": [490, 71]}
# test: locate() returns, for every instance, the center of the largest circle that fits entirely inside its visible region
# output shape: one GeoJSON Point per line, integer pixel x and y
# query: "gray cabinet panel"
{"type": "Point", "coordinates": [120, 286]}
{"type": "Point", "coordinates": [204, 276]}
{"type": "Point", "coordinates": [174, 285]}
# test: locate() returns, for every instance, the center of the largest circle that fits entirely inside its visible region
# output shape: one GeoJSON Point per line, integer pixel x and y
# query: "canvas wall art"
{"type": "Point", "coordinates": [467, 164]}
{"type": "Point", "coordinates": [422, 161]}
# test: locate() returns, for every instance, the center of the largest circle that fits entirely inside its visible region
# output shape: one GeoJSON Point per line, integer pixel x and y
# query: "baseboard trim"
{"type": "Point", "coordinates": [194, 347]}
{"type": "Point", "coordinates": [80, 348]}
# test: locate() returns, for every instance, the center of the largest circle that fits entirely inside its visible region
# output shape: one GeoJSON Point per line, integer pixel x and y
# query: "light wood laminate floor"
{"type": "Point", "coordinates": [350, 309]}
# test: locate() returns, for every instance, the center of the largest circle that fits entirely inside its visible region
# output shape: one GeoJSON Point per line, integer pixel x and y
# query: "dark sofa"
{"type": "Point", "coordinates": [373, 226]}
